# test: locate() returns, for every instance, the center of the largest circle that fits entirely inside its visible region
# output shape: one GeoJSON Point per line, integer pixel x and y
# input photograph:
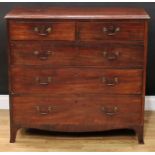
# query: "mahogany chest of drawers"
{"type": "Point", "coordinates": [77, 69]}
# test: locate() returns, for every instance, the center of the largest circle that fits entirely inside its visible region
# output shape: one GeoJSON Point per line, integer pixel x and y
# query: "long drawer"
{"type": "Point", "coordinates": [75, 80]}
{"type": "Point", "coordinates": [35, 30]}
{"type": "Point", "coordinates": [77, 113]}
{"type": "Point", "coordinates": [84, 54]}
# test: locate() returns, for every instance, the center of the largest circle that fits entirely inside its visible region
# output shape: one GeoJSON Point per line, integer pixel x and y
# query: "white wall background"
{"type": "Point", "coordinates": [149, 102]}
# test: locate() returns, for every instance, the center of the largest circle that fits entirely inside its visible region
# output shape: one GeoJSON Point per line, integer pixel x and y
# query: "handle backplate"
{"type": "Point", "coordinates": [44, 81]}
{"type": "Point", "coordinates": [110, 81]}
{"type": "Point", "coordinates": [110, 111]}
{"type": "Point", "coordinates": [43, 55]}
{"type": "Point", "coordinates": [43, 30]}
{"type": "Point", "coordinates": [44, 111]}
{"type": "Point", "coordinates": [111, 55]}
{"type": "Point", "coordinates": [110, 30]}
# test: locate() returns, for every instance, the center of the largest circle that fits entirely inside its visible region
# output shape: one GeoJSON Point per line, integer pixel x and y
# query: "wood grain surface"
{"type": "Point", "coordinates": [59, 54]}
{"type": "Point", "coordinates": [76, 80]}
{"type": "Point", "coordinates": [95, 59]}
{"type": "Point", "coordinates": [78, 13]}
{"type": "Point", "coordinates": [42, 141]}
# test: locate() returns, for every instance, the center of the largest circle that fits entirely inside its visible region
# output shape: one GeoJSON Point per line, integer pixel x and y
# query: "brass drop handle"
{"type": "Point", "coordinates": [45, 81]}
{"type": "Point", "coordinates": [110, 81]}
{"type": "Point", "coordinates": [44, 112]}
{"type": "Point", "coordinates": [111, 56]}
{"type": "Point", "coordinates": [42, 30]}
{"type": "Point", "coordinates": [111, 30]}
{"type": "Point", "coordinates": [110, 111]}
{"type": "Point", "coordinates": [43, 55]}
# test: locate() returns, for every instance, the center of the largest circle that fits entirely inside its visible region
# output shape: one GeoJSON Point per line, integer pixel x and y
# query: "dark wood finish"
{"type": "Point", "coordinates": [86, 54]}
{"type": "Point", "coordinates": [78, 13]}
{"type": "Point", "coordinates": [77, 69]}
{"type": "Point", "coordinates": [111, 31]}
{"type": "Point", "coordinates": [93, 111]}
{"type": "Point", "coordinates": [76, 80]}
{"type": "Point", "coordinates": [42, 30]}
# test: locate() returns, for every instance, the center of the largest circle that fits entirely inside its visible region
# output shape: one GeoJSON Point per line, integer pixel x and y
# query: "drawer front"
{"type": "Point", "coordinates": [111, 55]}
{"type": "Point", "coordinates": [111, 31]}
{"type": "Point", "coordinates": [76, 80]}
{"type": "Point", "coordinates": [42, 53]}
{"type": "Point", "coordinates": [41, 30]}
{"type": "Point", "coordinates": [77, 112]}
{"type": "Point", "coordinates": [65, 54]}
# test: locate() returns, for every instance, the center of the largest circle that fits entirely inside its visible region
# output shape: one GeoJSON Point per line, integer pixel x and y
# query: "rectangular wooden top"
{"type": "Point", "coordinates": [78, 13]}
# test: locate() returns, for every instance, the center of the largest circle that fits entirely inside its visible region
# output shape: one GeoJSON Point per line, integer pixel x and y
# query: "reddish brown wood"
{"type": "Point", "coordinates": [77, 69]}
{"type": "Point", "coordinates": [140, 132]}
{"type": "Point", "coordinates": [25, 30]}
{"type": "Point", "coordinates": [89, 112]}
{"type": "Point", "coordinates": [13, 133]}
{"type": "Point", "coordinates": [70, 54]}
{"type": "Point", "coordinates": [76, 80]}
{"type": "Point", "coordinates": [78, 13]}
{"type": "Point", "coordinates": [111, 30]}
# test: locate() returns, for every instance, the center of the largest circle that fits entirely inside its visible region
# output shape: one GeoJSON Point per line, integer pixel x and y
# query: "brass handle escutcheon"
{"type": "Point", "coordinates": [43, 55]}
{"type": "Point", "coordinates": [43, 112]}
{"type": "Point", "coordinates": [44, 81]}
{"type": "Point", "coordinates": [111, 56]}
{"type": "Point", "coordinates": [110, 81]}
{"type": "Point", "coordinates": [42, 30]}
{"type": "Point", "coordinates": [110, 111]}
{"type": "Point", "coordinates": [111, 30]}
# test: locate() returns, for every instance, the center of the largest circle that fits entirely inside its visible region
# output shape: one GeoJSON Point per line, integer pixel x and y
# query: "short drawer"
{"type": "Point", "coordinates": [77, 113]}
{"type": "Point", "coordinates": [111, 31]}
{"type": "Point", "coordinates": [75, 80]}
{"type": "Point", "coordinates": [84, 54]}
{"type": "Point", "coordinates": [27, 30]}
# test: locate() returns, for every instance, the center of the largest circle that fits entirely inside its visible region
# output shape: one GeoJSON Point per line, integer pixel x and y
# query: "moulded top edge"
{"type": "Point", "coordinates": [78, 13]}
